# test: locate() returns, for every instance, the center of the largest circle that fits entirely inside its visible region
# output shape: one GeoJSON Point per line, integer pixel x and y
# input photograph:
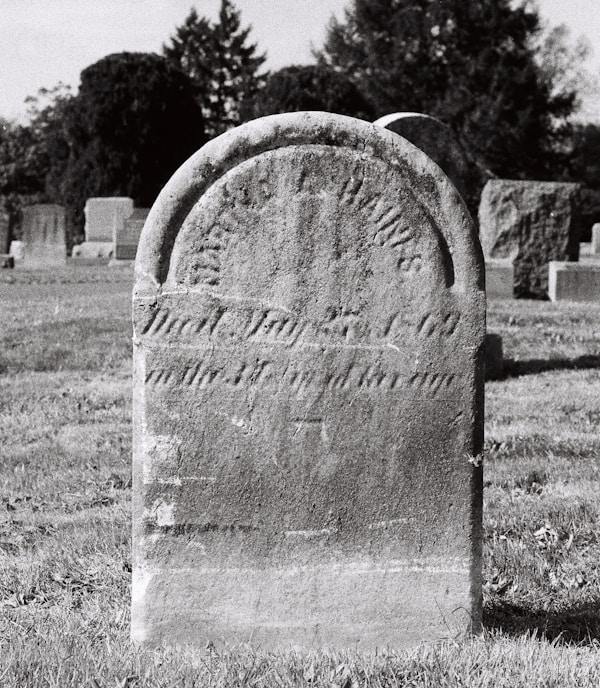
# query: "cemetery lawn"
{"type": "Point", "coordinates": [65, 446]}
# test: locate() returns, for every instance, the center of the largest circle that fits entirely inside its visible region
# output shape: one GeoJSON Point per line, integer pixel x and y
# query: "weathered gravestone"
{"type": "Point", "coordinates": [4, 231]}
{"type": "Point", "coordinates": [308, 390]}
{"type": "Point", "coordinates": [595, 247]}
{"type": "Point", "coordinates": [442, 145]}
{"type": "Point", "coordinates": [574, 281]}
{"type": "Point", "coordinates": [44, 236]}
{"type": "Point", "coordinates": [127, 237]}
{"type": "Point", "coordinates": [104, 217]}
{"type": "Point", "coordinates": [529, 223]}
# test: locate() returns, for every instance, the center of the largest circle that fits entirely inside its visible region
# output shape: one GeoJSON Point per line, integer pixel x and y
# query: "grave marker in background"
{"type": "Point", "coordinates": [4, 231]}
{"type": "Point", "coordinates": [127, 237]}
{"type": "Point", "coordinates": [574, 282]}
{"type": "Point", "coordinates": [442, 145]}
{"type": "Point", "coordinates": [103, 216]}
{"type": "Point", "coordinates": [308, 395]}
{"type": "Point", "coordinates": [595, 248]}
{"type": "Point", "coordinates": [529, 223]}
{"type": "Point", "coordinates": [44, 236]}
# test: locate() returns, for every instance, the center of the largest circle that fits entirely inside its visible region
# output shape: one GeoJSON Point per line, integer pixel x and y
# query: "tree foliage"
{"type": "Point", "coordinates": [220, 62]}
{"type": "Point", "coordinates": [308, 87]}
{"type": "Point", "coordinates": [32, 154]}
{"type": "Point", "coordinates": [133, 122]}
{"type": "Point", "coordinates": [471, 64]}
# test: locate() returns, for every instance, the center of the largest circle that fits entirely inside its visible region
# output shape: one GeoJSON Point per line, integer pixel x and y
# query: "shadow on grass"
{"type": "Point", "coordinates": [532, 366]}
{"type": "Point", "coordinates": [577, 624]}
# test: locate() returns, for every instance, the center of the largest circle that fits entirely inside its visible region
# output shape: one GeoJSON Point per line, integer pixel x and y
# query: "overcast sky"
{"type": "Point", "coordinates": [43, 42]}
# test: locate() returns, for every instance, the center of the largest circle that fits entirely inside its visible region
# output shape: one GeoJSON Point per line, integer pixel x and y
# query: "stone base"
{"type": "Point", "coordinates": [494, 360]}
{"type": "Point", "coordinates": [569, 281]}
{"type": "Point", "coordinates": [116, 263]}
{"type": "Point", "coordinates": [93, 249]}
{"type": "Point", "coordinates": [357, 606]}
{"type": "Point", "coordinates": [499, 278]}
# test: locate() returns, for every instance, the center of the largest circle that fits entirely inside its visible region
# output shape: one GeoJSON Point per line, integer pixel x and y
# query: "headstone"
{"type": "Point", "coordinates": [4, 231]}
{"type": "Point", "coordinates": [44, 236]}
{"type": "Point", "coordinates": [499, 278]}
{"type": "Point", "coordinates": [442, 145]}
{"type": "Point", "coordinates": [126, 239]}
{"type": "Point", "coordinates": [494, 358]}
{"type": "Point", "coordinates": [596, 239]}
{"type": "Point", "coordinates": [17, 250]}
{"type": "Point", "coordinates": [104, 216]}
{"type": "Point", "coordinates": [529, 223]}
{"type": "Point", "coordinates": [308, 395]}
{"type": "Point", "coordinates": [574, 281]}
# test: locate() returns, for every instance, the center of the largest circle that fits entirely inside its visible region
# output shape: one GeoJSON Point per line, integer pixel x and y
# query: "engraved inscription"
{"type": "Point", "coordinates": [431, 325]}
{"type": "Point", "coordinates": [162, 322]}
{"type": "Point", "coordinates": [390, 230]}
{"type": "Point", "coordinates": [208, 259]}
{"type": "Point", "coordinates": [297, 380]}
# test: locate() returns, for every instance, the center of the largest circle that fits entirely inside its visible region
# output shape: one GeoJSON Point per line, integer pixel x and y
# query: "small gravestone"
{"type": "Point", "coordinates": [442, 145]}
{"type": "Point", "coordinates": [529, 223]}
{"type": "Point", "coordinates": [308, 395]}
{"type": "Point", "coordinates": [127, 237]}
{"type": "Point", "coordinates": [44, 236]}
{"type": "Point", "coordinates": [595, 247]}
{"type": "Point", "coordinates": [4, 231]}
{"type": "Point", "coordinates": [16, 250]}
{"type": "Point", "coordinates": [103, 216]}
{"type": "Point", "coordinates": [574, 282]}
{"type": "Point", "coordinates": [499, 278]}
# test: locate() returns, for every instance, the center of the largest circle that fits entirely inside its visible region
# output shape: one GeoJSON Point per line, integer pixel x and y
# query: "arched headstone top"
{"type": "Point", "coordinates": [287, 140]}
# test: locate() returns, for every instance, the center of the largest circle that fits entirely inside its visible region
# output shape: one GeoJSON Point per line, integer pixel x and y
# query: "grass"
{"type": "Point", "coordinates": [65, 509]}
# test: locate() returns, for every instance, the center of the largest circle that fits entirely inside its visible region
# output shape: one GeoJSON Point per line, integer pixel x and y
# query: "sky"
{"type": "Point", "coordinates": [43, 42]}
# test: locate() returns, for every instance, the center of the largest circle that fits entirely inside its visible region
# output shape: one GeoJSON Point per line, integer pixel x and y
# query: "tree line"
{"type": "Point", "coordinates": [479, 66]}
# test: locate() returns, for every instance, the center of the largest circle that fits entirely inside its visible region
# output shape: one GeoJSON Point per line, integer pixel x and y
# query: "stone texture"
{"type": "Point", "coordinates": [595, 248]}
{"type": "Point", "coordinates": [308, 395]}
{"type": "Point", "coordinates": [4, 231]}
{"type": "Point", "coordinates": [494, 358]}
{"type": "Point", "coordinates": [499, 278]}
{"type": "Point", "coordinates": [126, 239]}
{"type": "Point", "coordinates": [529, 223]}
{"type": "Point", "coordinates": [442, 145]}
{"type": "Point", "coordinates": [574, 281]}
{"type": "Point", "coordinates": [44, 236]}
{"type": "Point", "coordinates": [104, 216]}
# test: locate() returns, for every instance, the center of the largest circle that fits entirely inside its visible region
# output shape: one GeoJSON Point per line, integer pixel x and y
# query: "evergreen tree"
{"type": "Point", "coordinates": [470, 64]}
{"type": "Point", "coordinates": [132, 124]}
{"type": "Point", "coordinates": [221, 64]}
{"type": "Point", "coordinates": [308, 87]}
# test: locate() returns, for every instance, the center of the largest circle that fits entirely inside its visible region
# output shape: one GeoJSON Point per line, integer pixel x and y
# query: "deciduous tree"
{"type": "Point", "coordinates": [471, 64]}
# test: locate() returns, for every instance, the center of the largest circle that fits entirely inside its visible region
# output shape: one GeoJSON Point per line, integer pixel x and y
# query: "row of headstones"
{"type": "Point", "coordinates": [112, 231]}
{"type": "Point", "coordinates": [528, 229]}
